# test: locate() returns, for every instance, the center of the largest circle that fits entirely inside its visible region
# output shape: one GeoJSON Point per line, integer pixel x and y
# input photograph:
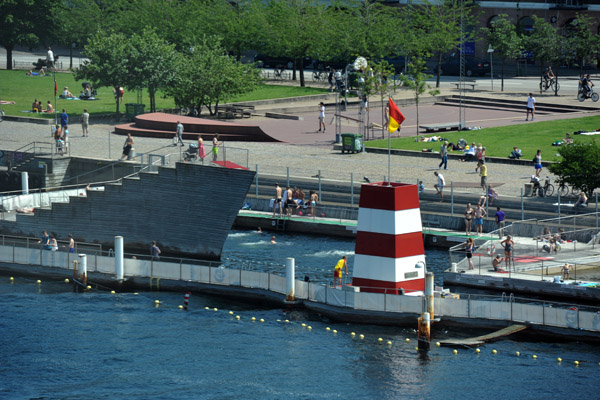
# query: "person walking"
{"type": "Point", "coordinates": [530, 107]}
{"type": "Point", "coordinates": [155, 251]}
{"type": "Point", "coordinates": [337, 270]}
{"type": "Point", "coordinates": [127, 146]}
{"type": "Point", "coordinates": [49, 59]}
{"type": "Point", "coordinates": [64, 119]}
{"type": "Point", "coordinates": [439, 186]}
{"type": "Point", "coordinates": [179, 133]}
{"type": "Point", "coordinates": [444, 155]}
{"type": "Point", "coordinates": [537, 163]}
{"type": "Point", "coordinates": [500, 221]}
{"type": "Point", "coordinates": [85, 122]}
{"type": "Point", "coordinates": [321, 116]}
{"type": "Point", "coordinates": [483, 173]}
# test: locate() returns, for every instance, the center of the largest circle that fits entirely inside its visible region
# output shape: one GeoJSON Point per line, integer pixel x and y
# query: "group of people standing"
{"type": "Point", "coordinates": [289, 200]}
{"type": "Point", "coordinates": [49, 242]}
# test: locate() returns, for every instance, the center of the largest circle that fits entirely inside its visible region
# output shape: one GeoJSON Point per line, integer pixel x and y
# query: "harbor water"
{"type": "Point", "coordinates": [56, 344]}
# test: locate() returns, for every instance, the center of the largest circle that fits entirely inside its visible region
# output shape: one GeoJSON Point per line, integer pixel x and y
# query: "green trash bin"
{"type": "Point", "coordinates": [351, 142]}
{"type": "Point", "coordinates": [133, 109]}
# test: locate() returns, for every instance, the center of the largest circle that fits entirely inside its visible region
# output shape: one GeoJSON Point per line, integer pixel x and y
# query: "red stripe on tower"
{"type": "Point", "coordinates": [389, 252]}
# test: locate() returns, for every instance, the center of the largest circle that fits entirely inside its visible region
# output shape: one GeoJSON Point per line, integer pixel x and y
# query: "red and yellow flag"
{"type": "Point", "coordinates": [396, 117]}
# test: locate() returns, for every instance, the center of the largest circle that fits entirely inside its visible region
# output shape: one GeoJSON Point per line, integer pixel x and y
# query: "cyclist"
{"type": "Point", "coordinates": [548, 77]}
{"type": "Point", "coordinates": [587, 84]}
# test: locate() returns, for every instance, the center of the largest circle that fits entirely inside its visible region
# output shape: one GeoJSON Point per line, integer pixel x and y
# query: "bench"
{"type": "Point", "coordinates": [233, 112]}
{"type": "Point", "coordinates": [440, 127]}
{"type": "Point", "coordinates": [467, 82]}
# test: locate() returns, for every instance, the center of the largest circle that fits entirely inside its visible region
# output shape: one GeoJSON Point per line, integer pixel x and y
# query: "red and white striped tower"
{"type": "Point", "coordinates": [389, 239]}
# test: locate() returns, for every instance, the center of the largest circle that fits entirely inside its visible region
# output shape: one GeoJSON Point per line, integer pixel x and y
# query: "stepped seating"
{"type": "Point", "coordinates": [162, 125]}
{"type": "Point", "coordinates": [510, 105]}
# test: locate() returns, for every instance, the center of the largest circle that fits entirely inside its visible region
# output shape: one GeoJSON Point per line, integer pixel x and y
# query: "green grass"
{"type": "Point", "coordinates": [23, 89]}
{"type": "Point", "coordinates": [499, 141]}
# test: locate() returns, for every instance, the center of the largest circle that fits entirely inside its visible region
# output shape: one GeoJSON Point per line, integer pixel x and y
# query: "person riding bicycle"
{"type": "Point", "coordinates": [587, 84]}
{"type": "Point", "coordinates": [548, 76]}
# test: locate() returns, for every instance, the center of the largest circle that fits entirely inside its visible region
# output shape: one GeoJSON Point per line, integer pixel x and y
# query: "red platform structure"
{"type": "Point", "coordinates": [389, 252]}
{"type": "Point", "coordinates": [162, 125]}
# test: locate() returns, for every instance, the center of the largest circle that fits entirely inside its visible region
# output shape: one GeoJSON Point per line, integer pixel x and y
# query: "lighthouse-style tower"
{"type": "Point", "coordinates": [389, 252]}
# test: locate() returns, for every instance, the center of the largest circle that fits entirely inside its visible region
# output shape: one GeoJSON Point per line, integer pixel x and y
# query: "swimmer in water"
{"type": "Point", "coordinates": [259, 230]}
{"type": "Point", "coordinates": [273, 240]}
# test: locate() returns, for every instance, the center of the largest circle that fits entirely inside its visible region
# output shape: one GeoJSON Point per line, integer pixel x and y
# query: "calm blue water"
{"type": "Point", "coordinates": [55, 344]}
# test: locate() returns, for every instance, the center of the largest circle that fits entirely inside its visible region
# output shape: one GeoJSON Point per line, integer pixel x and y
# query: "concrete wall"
{"type": "Point", "coordinates": [188, 210]}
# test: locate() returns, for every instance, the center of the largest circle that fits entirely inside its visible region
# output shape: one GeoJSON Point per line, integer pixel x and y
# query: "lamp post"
{"type": "Point", "coordinates": [491, 50]}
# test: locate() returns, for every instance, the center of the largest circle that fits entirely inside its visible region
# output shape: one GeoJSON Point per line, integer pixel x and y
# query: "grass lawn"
{"type": "Point", "coordinates": [23, 89]}
{"type": "Point", "coordinates": [499, 141]}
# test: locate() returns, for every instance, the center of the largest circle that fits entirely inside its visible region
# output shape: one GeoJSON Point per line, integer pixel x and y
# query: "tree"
{"type": "Point", "coordinates": [206, 75]}
{"type": "Point", "coordinates": [108, 62]}
{"type": "Point", "coordinates": [579, 166]}
{"type": "Point", "coordinates": [545, 43]}
{"type": "Point", "coordinates": [581, 40]}
{"type": "Point", "coordinates": [504, 40]}
{"type": "Point", "coordinates": [376, 81]}
{"type": "Point", "coordinates": [416, 79]}
{"type": "Point", "coordinates": [25, 23]}
{"type": "Point", "coordinates": [436, 27]}
{"type": "Point", "coordinates": [151, 64]}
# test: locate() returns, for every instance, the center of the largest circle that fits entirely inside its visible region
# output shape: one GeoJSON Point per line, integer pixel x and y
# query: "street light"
{"type": "Point", "coordinates": [491, 50]}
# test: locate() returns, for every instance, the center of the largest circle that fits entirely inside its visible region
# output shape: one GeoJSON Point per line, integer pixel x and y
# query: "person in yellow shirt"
{"type": "Point", "coordinates": [483, 174]}
{"type": "Point", "coordinates": [337, 271]}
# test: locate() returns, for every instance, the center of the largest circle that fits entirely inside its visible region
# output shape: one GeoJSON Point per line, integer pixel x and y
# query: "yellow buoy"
{"type": "Point", "coordinates": [206, 308]}
{"type": "Point", "coordinates": [389, 342]}
{"type": "Point", "coordinates": [156, 301]}
{"type": "Point", "coordinates": [112, 292]}
{"type": "Point", "coordinates": [477, 351]}
{"type": "Point", "coordinates": [362, 336]}
{"type": "Point", "coordinates": [309, 327]}
{"type": "Point", "coordinates": [230, 312]}
{"type": "Point", "coordinates": [180, 307]}
{"type": "Point", "coordinates": [89, 287]}
{"type": "Point", "coordinates": [237, 317]}
{"type": "Point", "coordinates": [12, 279]}
{"type": "Point", "coordinates": [253, 318]}
{"type": "Point", "coordinates": [135, 293]}
{"type": "Point", "coordinates": [303, 325]}
{"type": "Point", "coordinates": [38, 281]}
{"type": "Point", "coordinates": [407, 340]}
{"type": "Point", "coordinates": [518, 353]}
{"type": "Point", "coordinates": [438, 344]}
{"type": "Point", "coordinates": [66, 281]}
{"type": "Point", "coordinates": [215, 309]}
{"type": "Point", "coordinates": [454, 351]}
{"type": "Point", "coordinates": [328, 329]}
{"type": "Point", "coordinates": [559, 359]}
{"type": "Point", "coordinates": [576, 362]}
{"type": "Point", "coordinates": [380, 340]}
{"type": "Point", "coordinates": [534, 357]}
{"type": "Point", "coordinates": [287, 321]}
{"type": "Point", "coordinates": [352, 334]}
{"type": "Point", "coordinates": [334, 331]}
{"type": "Point", "coordinates": [262, 320]}
{"type": "Point", "coordinates": [416, 347]}
{"type": "Point", "coordinates": [494, 351]}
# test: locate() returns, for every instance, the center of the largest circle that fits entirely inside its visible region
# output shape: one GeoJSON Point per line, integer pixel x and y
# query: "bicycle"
{"type": "Point", "coordinates": [551, 83]}
{"type": "Point", "coordinates": [546, 190]}
{"type": "Point", "coordinates": [319, 76]}
{"type": "Point", "coordinates": [563, 190]}
{"type": "Point", "coordinates": [279, 73]}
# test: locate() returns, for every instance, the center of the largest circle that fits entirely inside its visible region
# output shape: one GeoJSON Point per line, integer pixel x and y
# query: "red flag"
{"type": "Point", "coordinates": [396, 117]}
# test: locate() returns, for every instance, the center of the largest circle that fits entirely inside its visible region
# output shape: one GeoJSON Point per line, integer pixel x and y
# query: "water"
{"type": "Point", "coordinates": [55, 344]}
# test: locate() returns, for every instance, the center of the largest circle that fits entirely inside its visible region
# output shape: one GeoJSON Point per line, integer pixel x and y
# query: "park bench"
{"type": "Point", "coordinates": [234, 111]}
{"type": "Point", "coordinates": [466, 82]}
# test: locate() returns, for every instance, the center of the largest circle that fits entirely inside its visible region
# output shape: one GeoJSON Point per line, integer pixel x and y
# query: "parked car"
{"type": "Point", "coordinates": [473, 66]}
{"type": "Point", "coordinates": [265, 61]}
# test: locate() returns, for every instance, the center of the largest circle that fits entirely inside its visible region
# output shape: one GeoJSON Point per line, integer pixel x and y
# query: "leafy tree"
{"type": "Point", "coordinates": [151, 64]}
{"type": "Point", "coordinates": [25, 23]}
{"type": "Point", "coordinates": [376, 81]}
{"type": "Point", "coordinates": [504, 40]}
{"type": "Point", "coordinates": [437, 27]}
{"type": "Point", "coordinates": [416, 79]}
{"type": "Point", "coordinates": [545, 42]}
{"type": "Point", "coordinates": [206, 76]}
{"type": "Point", "coordinates": [108, 62]}
{"type": "Point", "coordinates": [581, 40]}
{"type": "Point", "coordinates": [579, 166]}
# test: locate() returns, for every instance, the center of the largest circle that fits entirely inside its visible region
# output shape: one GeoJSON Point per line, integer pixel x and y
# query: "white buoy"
{"type": "Point", "coordinates": [83, 267]}
{"type": "Point", "coordinates": [25, 182]}
{"type": "Point", "coordinates": [290, 278]}
{"type": "Point", "coordinates": [119, 271]}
